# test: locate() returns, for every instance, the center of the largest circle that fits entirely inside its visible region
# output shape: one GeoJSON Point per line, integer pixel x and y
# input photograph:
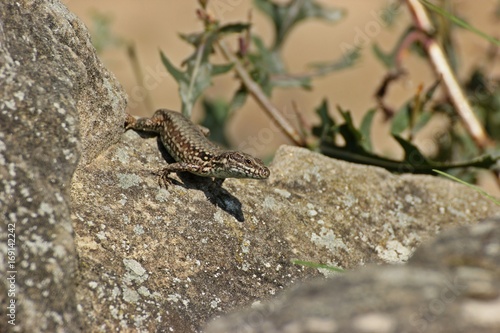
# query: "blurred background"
{"type": "Point", "coordinates": [154, 25]}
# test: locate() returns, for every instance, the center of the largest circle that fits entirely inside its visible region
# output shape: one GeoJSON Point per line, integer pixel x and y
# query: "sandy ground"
{"type": "Point", "coordinates": [154, 25]}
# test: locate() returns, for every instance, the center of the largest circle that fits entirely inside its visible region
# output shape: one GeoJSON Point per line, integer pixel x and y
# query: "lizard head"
{"type": "Point", "coordinates": [235, 164]}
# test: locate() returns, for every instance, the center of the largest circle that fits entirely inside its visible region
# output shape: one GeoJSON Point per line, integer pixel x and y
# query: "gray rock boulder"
{"type": "Point", "coordinates": [451, 284]}
{"type": "Point", "coordinates": [51, 81]}
{"type": "Point", "coordinates": [172, 259]}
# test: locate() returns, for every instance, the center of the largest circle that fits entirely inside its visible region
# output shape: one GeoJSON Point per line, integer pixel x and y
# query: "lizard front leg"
{"type": "Point", "coordinates": [163, 174]}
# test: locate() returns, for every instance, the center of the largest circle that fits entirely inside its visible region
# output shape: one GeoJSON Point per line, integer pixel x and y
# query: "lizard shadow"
{"type": "Point", "coordinates": [216, 194]}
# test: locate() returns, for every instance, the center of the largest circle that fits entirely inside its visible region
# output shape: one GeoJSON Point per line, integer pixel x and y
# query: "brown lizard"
{"type": "Point", "coordinates": [193, 152]}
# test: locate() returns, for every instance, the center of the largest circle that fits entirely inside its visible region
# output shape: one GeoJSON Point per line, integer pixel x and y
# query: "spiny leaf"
{"type": "Point", "coordinates": [178, 75]}
{"type": "Point", "coordinates": [390, 13]}
{"type": "Point", "coordinates": [484, 162]}
{"type": "Point", "coordinates": [286, 16]}
{"type": "Point", "coordinates": [325, 130]}
{"type": "Point", "coordinates": [190, 90]}
{"type": "Point", "coordinates": [387, 59]}
{"type": "Point", "coordinates": [290, 81]}
{"type": "Point", "coordinates": [233, 28]}
{"type": "Point", "coordinates": [401, 119]}
{"type": "Point", "coordinates": [269, 64]}
{"type": "Point", "coordinates": [422, 120]}
{"type": "Point", "coordinates": [197, 38]}
{"type": "Point", "coordinates": [221, 69]}
{"type": "Point", "coordinates": [193, 38]}
{"type": "Point", "coordinates": [270, 60]}
{"type": "Point", "coordinates": [365, 129]}
{"type": "Point", "coordinates": [323, 68]}
{"type": "Point", "coordinates": [264, 63]}
{"type": "Point", "coordinates": [412, 155]}
{"type": "Point", "coordinates": [199, 71]}
{"type": "Point", "coordinates": [351, 135]}
{"type": "Point", "coordinates": [356, 150]}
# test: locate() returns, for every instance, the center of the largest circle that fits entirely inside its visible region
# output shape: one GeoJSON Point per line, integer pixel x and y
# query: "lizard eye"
{"type": "Point", "coordinates": [248, 161]}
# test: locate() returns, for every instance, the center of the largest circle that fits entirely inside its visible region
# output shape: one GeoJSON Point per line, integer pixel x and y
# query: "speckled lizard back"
{"type": "Point", "coordinates": [185, 141]}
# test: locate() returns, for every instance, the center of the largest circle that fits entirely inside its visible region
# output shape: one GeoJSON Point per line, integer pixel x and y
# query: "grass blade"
{"type": "Point", "coordinates": [461, 23]}
{"type": "Point", "coordinates": [474, 187]}
{"type": "Point", "coordinates": [316, 265]}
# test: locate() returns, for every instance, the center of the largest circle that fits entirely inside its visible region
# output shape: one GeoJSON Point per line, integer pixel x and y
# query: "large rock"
{"type": "Point", "coordinates": [450, 285]}
{"type": "Point", "coordinates": [50, 79]}
{"type": "Point", "coordinates": [171, 259]}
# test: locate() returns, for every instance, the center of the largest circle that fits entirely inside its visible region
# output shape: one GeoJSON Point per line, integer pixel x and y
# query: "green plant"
{"type": "Point", "coordinates": [471, 106]}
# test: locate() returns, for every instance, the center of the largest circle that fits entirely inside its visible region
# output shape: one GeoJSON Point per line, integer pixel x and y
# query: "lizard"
{"type": "Point", "coordinates": [193, 152]}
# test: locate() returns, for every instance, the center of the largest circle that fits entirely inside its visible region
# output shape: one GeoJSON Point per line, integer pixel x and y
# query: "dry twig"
{"type": "Point", "coordinates": [261, 98]}
{"type": "Point", "coordinates": [443, 71]}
